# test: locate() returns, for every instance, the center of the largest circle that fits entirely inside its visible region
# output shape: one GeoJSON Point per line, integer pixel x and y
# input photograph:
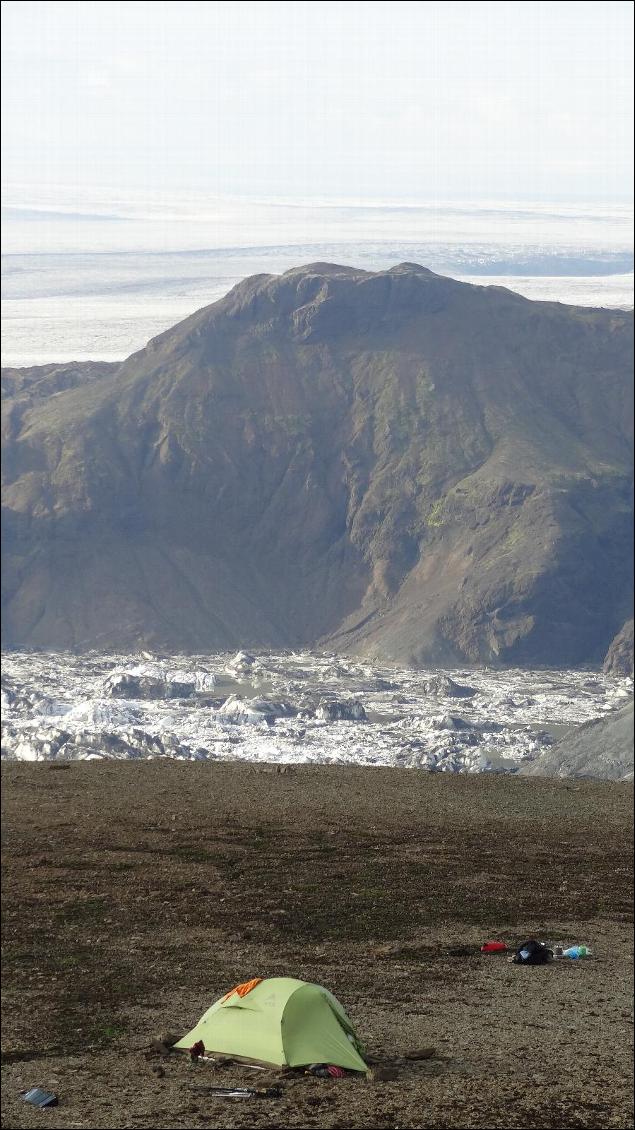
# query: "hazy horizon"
{"type": "Point", "coordinates": [157, 153]}
{"type": "Point", "coordinates": [523, 101]}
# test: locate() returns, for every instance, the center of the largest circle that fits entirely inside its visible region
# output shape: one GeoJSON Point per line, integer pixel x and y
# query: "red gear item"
{"type": "Point", "coordinates": [493, 947]}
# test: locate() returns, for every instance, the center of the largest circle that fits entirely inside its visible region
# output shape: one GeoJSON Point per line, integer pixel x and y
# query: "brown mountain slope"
{"type": "Point", "coordinates": [619, 658]}
{"type": "Point", "coordinates": [601, 748]}
{"type": "Point", "coordinates": [396, 463]}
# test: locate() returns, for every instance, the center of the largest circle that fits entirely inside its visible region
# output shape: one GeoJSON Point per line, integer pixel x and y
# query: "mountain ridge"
{"type": "Point", "coordinates": [393, 463]}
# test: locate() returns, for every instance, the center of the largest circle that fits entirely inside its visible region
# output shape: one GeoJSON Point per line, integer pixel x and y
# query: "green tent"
{"type": "Point", "coordinates": [283, 1022]}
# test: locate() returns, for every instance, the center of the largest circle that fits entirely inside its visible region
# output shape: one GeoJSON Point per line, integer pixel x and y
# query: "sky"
{"type": "Point", "coordinates": [355, 100]}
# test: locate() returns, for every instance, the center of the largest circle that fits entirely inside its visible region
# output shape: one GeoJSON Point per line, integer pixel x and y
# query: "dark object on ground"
{"type": "Point", "coordinates": [325, 1071]}
{"type": "Point", "coordinates": [421, 1053]}
{"type": "Point", "coordinates": [532, 953]}
{"type": "Point", "coordinates": [241, 1092]}
{"type": "Point", "coordinates": [37, 1097]}
{"type": "Point", "coordinates": [197, 1050]}
{"type": "Point", "coordinates": [160, 1047]}
{"type": "Point", "coordinates": [383, 1074]}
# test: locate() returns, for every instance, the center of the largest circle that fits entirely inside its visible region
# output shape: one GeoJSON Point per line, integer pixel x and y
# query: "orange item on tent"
{"type": "Point", "coordinates": [243, 989]}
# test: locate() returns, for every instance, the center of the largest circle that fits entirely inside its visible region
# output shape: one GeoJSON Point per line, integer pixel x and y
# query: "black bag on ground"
{"type": "Point", "coordinates": [532, 953]}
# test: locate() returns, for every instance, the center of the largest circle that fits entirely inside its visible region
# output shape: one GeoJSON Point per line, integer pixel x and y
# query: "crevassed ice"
{"type": "Point", "coordinates": [57, 706]}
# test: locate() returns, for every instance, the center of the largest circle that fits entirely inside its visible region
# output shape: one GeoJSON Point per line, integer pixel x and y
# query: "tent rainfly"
{"type": "Point", "coordinates": [279, 1021]}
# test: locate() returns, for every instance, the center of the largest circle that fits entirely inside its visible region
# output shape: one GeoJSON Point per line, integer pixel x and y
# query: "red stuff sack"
{"type": "Point", "coordinates": [493, 947]}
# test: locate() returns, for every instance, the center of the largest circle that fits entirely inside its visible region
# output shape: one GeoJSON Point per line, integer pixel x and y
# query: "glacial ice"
{"type": "Point", "coordinates": [291, 708]}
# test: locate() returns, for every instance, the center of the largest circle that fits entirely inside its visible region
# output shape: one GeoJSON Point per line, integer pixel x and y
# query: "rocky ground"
{"type": "Point", "coordinates": [136, 893]}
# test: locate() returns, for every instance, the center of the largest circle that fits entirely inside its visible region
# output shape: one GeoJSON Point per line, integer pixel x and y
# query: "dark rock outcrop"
{"type": "Point", "coordinates": [601, 748]}
{"type": "Point", "coordinates": [51, 743]}
{"type": "Point", "coordinates": [619, 657]}
{"type": "Point", "coordinates": [126, 685]}
{"type": "Point", "coordinates": [334, 710]}
{"type": "Point", "coordinates": [453, 722]}
{"type": "Point", "coordinates": [254, 710]}
{"type": "Point", "coordinates": [445, 687]}
{"type": "Point", "coordinates": [394, 464]}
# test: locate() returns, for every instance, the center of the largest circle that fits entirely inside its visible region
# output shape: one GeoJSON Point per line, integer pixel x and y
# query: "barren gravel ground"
{"type": "Point", "coordinates": [136, 893]}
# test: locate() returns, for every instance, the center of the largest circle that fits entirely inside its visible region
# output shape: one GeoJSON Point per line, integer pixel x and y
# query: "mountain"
{"type": "Point", "coordinates": [393, 464]}
{"type": "Point", "coordinates": [619, 657]}
{"type": "Point", "coordinates": [602, 748]}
